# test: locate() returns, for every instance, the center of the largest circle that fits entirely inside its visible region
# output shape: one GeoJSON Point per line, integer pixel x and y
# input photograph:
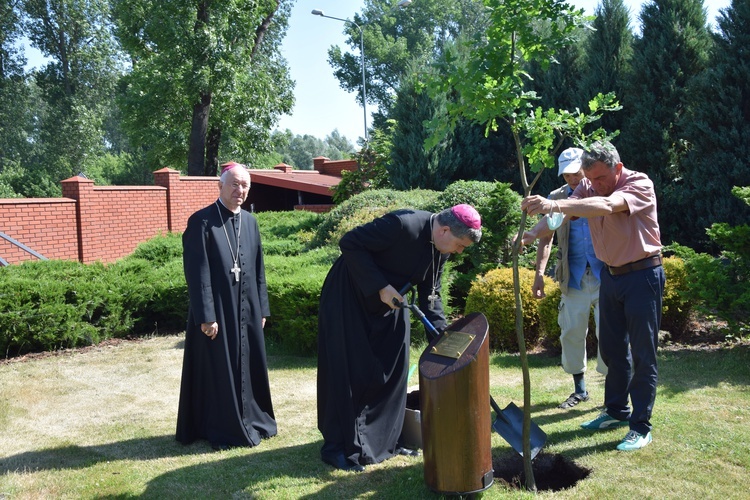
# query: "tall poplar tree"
{"type": "Point", "coordinates": [206, 74]}
{"type": "Point", "coordinates": [717, 133]}
{"type": "Point", "coordinates": [411, 165]}
{"type": "Point", "coordinates": [463, 153]}
{"type": "Point", "coordinates": [394, 38]}
{"type": "Point", "coordinates": [671, 51]}
{"type": "Point", "coordinates": [75, 86]}
{"type": "Point", "coordinates": [14, 114]}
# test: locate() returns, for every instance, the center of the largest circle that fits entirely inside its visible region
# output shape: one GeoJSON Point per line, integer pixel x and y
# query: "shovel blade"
{"type": "Point", "coordinates": [509, 424]}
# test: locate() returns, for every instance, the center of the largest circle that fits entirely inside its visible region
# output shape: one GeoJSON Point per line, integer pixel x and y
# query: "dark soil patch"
{"type": "Point", "coordinates": [412, 400]}
{"type": "Point", "coordinates": [552, 472]}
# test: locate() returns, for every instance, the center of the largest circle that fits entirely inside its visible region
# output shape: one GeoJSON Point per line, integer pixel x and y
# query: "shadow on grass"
{"type": "Point", "coordinates": [244, 471]}
{"type": "Point", "coordinates": [78, 457]}
{"type": "Point", "coordinates": [275, 470]}
{"type": "Point", "coordinates": [542, 359]}
{"type": "Point", "coordinates": [279, 357]}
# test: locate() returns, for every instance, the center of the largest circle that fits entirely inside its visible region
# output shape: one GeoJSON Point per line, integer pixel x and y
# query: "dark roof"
{"type": "Point", "coordinates": [308, 181]}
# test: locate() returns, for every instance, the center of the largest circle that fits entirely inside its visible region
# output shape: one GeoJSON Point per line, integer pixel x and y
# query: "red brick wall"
{"type": "Point", "coordinates": [101, 223]}
{"type": "Point", "coordinates": [106, 223]}
{"type": "Point", "coordinates": [185, 195]}
{"type": "Point", "coordinates": [45, 225]}
{"type": "Point", "coordinates": [319, 209]}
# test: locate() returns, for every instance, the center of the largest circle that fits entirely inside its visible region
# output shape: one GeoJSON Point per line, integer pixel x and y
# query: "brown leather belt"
{"type": "Point", "coordinates": [638, 265]}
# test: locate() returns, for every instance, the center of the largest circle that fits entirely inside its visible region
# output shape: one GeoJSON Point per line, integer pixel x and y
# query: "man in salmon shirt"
{"type": "Point", "coordinates": [621, 207]}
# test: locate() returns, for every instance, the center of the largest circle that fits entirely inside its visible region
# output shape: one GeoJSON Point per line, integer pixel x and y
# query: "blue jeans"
{"type": "Point", "coordinates": [629, 316]}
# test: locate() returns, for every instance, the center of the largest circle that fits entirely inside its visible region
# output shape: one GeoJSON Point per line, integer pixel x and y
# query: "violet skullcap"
{"type": "Point", "coordinates": [230, 165]}
{"type": "Point", "coordinates": [467, 215]}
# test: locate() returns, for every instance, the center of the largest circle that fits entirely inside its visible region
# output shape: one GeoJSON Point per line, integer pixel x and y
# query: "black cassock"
{"type": "Point", "coordinates": [363, 346]}
{"type": "Point", "coordinates": [225, 395]}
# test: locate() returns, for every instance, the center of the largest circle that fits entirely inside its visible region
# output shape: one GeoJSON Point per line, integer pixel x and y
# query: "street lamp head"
{"type": "Point", "coordinates": [404, 3]}
{"type": "Point", "coordinates": [317, 12]}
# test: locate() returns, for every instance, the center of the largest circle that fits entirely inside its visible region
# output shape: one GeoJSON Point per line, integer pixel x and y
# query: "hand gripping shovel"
{"type": "Point", "coordinates": [508, 422]}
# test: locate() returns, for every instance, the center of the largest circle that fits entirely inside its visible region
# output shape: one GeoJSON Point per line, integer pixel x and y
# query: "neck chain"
{"type": "Point", "coordinates": [433, 297]}
{"type": "Point", "coordinates": [235, 257]}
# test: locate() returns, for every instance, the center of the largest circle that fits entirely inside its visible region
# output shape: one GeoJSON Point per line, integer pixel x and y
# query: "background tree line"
{"type": "Point", "coordinates": [683, 87]}
{"type": "Point", "coordinates": [131, 86]}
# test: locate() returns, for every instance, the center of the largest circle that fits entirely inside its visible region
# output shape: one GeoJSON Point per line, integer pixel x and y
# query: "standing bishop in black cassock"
{"type": "Point", "coordinates": [225, 395]}
{"type": "Point", "coordinates": [363, 337]}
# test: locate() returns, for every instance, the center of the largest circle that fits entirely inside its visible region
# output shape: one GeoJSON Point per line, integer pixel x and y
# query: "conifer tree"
{"type": "Point", "coordinates": [464, 153]}
{"type": "Point", "coordinates": [606, 57]}
{"type": "Point", "coordinates": [672, 50]}
{"type": "Point", "coordinates": [717, 133]}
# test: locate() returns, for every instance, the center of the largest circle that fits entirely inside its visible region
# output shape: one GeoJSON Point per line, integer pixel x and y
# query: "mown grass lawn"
{"type": "Point", "coordinates": [99, 423]}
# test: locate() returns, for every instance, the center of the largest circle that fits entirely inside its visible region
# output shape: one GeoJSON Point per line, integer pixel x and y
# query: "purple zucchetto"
{"type": "Point", "coordinates": [230, 165]}
{"type": "Point", "coordinates": [467, 215]}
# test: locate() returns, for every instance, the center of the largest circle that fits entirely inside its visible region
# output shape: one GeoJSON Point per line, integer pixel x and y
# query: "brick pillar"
{"type": "Point", "coordinates": [283, 167]}
{"type": "Point", "coordinates": [81, 190]}
{"type": "Point", "coordinates": [170, 179]}
{"type": "Point", "coordinates": [319, 163]}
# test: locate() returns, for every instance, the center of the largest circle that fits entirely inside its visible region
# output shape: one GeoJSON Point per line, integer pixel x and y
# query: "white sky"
{"type": "Point", "coordinates": [321, 104]}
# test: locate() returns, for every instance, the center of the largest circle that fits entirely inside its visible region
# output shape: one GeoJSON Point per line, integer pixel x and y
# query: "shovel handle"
{"type": "Point", "coordinates": [494, 405]}
{"type": "Point", "coordinates": [402, 292]}
{"type": "Point", "coordinates": [431, 330]}
{"type": "Point", "coordinates": [498, 411]}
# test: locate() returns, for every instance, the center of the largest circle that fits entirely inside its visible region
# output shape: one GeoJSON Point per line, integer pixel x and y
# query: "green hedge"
{"type": "Point", "coordinates": [364, 207]}
{"type": "Point", "coordinates": [287, 233]}
{"type": "Point", "coordinates": [294, 285]}
{"type": "Point", "coordinates": [50, 305]}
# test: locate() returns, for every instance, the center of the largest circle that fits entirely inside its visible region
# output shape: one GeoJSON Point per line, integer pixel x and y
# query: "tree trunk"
{"type": "Point", "coordinates": [197, 141]}
{"type": "Point", "coordinates": [212, 150]}
{"type": "Point", "coordinates": [262, 28]}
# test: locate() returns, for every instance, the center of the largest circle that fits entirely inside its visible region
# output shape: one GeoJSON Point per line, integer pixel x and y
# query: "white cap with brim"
{"type": "Point", "coordinates": [569, 161]}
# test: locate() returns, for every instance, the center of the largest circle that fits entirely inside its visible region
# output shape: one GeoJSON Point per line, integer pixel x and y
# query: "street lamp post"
{"type": "Point", "coordinates": [317, 12]}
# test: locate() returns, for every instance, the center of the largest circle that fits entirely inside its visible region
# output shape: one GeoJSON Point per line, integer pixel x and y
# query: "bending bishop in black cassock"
{"type": "Point", "coordinates": [363, 343]}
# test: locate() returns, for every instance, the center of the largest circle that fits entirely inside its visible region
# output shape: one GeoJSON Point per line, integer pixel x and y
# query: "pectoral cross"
{"type": "Point", "coordinates": [236, 270]}
{"type": "Point", "coordinates": [432, 298]}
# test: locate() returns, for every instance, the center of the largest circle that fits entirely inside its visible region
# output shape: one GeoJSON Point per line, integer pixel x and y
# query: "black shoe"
{"type": "Point", "coordinates": [573, 400]}
{"type": "Point", "coordinates": [406, 452]}
{"type": "Point", "coordinates": [220, 447]}
{"type": "Point", "coordinates": [339, 461]}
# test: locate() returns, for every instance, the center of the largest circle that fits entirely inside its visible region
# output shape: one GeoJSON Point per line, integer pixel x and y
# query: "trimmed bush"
{"type": "Point", "coordinates": [492, 294]}
{"type": "Point", "coordinates": [366, 206]}
{"type": "Point", "coordinates": [677, 307]}
{"type": "Point", "coordinates": [287, 233]}
{"type": "Point", "coordinates": [167, 310]}
{"type": "Point", "coordinates": [294, 285]}
{"type": "Point", "coordinates": [159, 249]}
{"type": "Point", "coordinates": [48, 305]}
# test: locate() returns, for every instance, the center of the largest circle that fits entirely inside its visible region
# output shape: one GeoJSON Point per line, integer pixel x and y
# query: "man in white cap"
{"type": "Point", "coordinates": [577, 273]}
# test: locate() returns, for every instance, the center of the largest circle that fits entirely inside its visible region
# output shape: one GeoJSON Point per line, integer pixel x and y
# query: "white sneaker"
{"type": "Point", "coordinates": [634, 441]}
